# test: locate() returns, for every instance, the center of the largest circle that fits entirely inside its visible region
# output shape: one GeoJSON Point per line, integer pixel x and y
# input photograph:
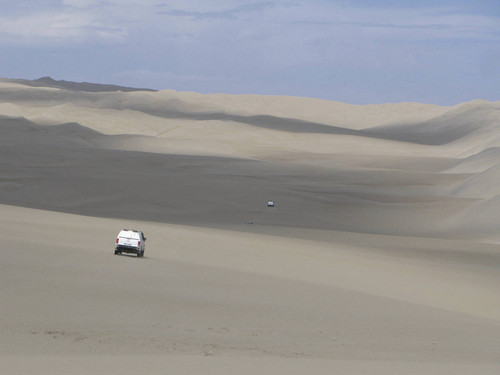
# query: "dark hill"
{"type": "Point", "coordinates": [75, 86]}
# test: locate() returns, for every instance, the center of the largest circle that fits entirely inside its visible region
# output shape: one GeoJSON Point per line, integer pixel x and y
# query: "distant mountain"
{"type": "Point", "coordinates": [75, 86]}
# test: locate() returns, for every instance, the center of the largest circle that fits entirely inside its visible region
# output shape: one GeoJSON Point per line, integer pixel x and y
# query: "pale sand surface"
{"type": "Point", "coordinates": [381, 256]}
{"type": "Point", "coordinates": [265, 299]}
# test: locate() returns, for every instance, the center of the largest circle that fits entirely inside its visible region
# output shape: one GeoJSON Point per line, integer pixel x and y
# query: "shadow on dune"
{"type": "Point", "coordinates": [468, 120]}
{"type": "Point", "coordinates": [262, 121]}
{"type": "Point", "coordinates": [59, 168]}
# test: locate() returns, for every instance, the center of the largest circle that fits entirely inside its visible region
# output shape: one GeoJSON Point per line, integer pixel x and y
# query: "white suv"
{"type": "Point", "coordinates": [130, 241]}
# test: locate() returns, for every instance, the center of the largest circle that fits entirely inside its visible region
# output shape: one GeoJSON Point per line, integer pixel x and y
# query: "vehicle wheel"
{"type": "Point", "coordinates": [116, 252]}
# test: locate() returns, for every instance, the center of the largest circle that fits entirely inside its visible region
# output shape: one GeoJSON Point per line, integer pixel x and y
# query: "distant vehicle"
{"type": "Point", "coordinates": [130, 241]}
{"type": "Point", "coordinates": [270, 204]}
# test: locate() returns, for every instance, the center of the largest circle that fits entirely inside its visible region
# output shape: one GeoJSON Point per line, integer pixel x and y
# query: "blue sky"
{"type": "Point", "coordinates": [360, 52]}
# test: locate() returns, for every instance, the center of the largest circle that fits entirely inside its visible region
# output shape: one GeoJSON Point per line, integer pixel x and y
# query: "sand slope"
{"type": "Point", "coordinates": [381, 256]}
{"type": "Point", "coordinates": [336, 301]}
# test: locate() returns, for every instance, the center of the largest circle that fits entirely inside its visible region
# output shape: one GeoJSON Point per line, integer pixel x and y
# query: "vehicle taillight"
{"type": "Point", "coordinates": [139, 243]}
{"type": "Point", "coordinates": [117, 240]}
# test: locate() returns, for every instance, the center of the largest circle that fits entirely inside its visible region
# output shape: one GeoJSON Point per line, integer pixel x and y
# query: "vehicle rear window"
{"type": "Point", "coordinates": [129, 234]}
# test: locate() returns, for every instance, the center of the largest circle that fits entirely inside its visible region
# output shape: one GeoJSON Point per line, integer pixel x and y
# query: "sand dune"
{"type": "Point", "coordinates": [205, 293]}
{"type": "Point", "coordinates": [479, 162]}
{"type": "Point", "coordinates": [381, 255]}
{"type": "Point", "coordinates": [477, 119]}
{"type": "Point", "coordinates": [77, 177]}
{"type": "Point", "coordinates": [305, 109]}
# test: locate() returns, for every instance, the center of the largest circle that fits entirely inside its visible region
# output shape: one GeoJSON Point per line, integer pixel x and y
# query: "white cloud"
{"type": "Point", "coordinates": [59, 26]}
{"type": "Point", "coordinates": [82, 3]}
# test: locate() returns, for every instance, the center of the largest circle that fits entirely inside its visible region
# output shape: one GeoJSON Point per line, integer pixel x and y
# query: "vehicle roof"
{"type": "Point", "coordinates": [130, 233]}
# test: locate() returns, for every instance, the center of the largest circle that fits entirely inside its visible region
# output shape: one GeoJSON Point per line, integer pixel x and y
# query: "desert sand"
{"type": "Point", "coordinates": [382, 254]}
